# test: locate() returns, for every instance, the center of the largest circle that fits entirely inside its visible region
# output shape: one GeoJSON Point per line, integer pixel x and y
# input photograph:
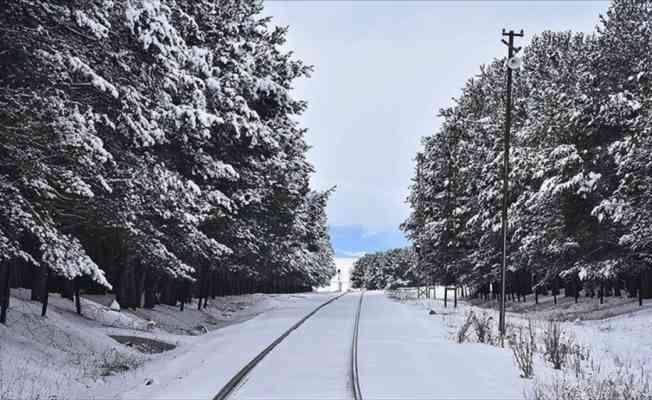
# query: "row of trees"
{"type": "Point", "coordinates": [580, 200]}
{"type": "Point", "coordinates": [385, 270]}
{"type": "Point", "coordinates": [151, 148]}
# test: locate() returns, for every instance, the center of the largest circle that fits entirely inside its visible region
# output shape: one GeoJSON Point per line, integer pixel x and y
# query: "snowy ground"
{"type": "Point", "coordinates": [72, 356]}
{"type": "Point", "coordinates": [406, 349]}
{"type": "Point", "coordinates": [312, 363]}
{"type": "Point", "coordinates": [201, 369]}
{"type": "Point", "coordinates": [615, 344]}
{"type": "Point", "coordinates": [405, 353]}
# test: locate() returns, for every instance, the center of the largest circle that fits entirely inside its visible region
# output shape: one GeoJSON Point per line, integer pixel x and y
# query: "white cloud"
{"type": "Point", "coordinates": [382, 70]}
{"type": "Point", "coordinates": [349, 254]}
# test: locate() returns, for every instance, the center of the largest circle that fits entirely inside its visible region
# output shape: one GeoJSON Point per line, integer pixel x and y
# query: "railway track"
{"type": "Point", "coordinates": [234, 383]}
{"type": "Point", "coordinates": [355, 379]}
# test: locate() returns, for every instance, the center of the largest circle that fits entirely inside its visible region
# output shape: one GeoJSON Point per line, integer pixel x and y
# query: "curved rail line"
{"type": "Point", "coordinates": [355, 377]}
{"type": "Point", "coordinates": [235, 381]}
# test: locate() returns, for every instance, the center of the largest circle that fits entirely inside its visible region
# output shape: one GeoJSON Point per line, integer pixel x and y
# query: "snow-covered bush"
{"type": "Point", "coordinates": [557, 345]}
{"type": "Point", "coordinates": [524, 347]}
{"type": "Point", "coordinates": [578, 357]}
{"type": "Point", "coordinates": [625, 383]}
{"type": "Point", "coordinates": [484, 328]}
{"type": "Point", "coordinates": [463, 330]}
{"type": "Point", "coordinates": [113, 362]}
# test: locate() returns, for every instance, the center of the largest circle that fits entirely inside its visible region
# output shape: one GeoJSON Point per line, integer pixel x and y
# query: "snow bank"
{"type": "Point", "coordinates": [613, 342]}
{"type": "Point", "coordinates": [67, 355]}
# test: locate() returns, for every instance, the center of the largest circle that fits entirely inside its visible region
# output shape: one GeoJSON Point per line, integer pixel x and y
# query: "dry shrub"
{"type": "Point", "coordinates": [524, 347]}
{"type": "Point", "coordinates": [557, 345]}
{"type": "Point", "coordinates": [625, 383]}
{"type": "Point", "coordinates": [578, 356]}
{"type": "Point", "coordinates": [462, 332]}
{"type": "Point", "coordinates": [113, 362]}
{"type": "Point", "coordinates": [484, 328]}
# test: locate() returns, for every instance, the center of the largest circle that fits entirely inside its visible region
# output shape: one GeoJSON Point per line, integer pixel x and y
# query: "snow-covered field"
{"type": "Point", "coordinates": [405, 353]}
{"type": "Point", "coordinates": [407, 349]}
{"type": "Point", "coordinates": [621, 344]}
{"type": "Point", "coordinates": [69, 356]}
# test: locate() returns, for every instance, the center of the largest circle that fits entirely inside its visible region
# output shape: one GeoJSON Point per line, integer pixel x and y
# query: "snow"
{"type": "Point", "coordinates": [77, 65]}
{"type": "Point", "coordinates": [616, 335]}
{"type": "Point", "coordinates": [405, 353]}
{"type": "Point", "coordinates": [100, 30]}
{"type": "Point", "coordinates": [202, 368]}
{"type": "Point", "coordinates": [345, 265]}
{"type": "Point", "coordinates": [71, 356]}
{"type": "Point", "coordinates": [313, 362]}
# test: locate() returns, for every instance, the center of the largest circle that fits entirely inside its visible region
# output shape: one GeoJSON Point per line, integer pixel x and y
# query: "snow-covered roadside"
{"type": "Point", "coordinates": [200, 369]}
{"type": "Point", "coordinates": [71, 356]}
{"type": "Point", "coordinates": [613, 343]}
{"type": "Point", "coordinates": [406, 353]}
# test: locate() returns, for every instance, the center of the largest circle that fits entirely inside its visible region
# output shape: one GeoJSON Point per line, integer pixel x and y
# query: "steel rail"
{"type": "Point", "coordinates": [355, 377]}
{"type": "Point", "coordinates": [233, 383]}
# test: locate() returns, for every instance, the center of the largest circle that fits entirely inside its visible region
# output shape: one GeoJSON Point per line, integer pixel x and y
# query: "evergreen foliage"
{"type": "Point", "coordinates": [579, 200]}
{"type": "Point", "coordinates": [385, 270]}
{"type": "Point", "coordinates": [153, 145]}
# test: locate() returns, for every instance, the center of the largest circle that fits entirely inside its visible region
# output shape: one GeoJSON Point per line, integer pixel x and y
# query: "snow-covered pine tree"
{"type": "Point", "coordinates": [148, 139]}
{"type": "Point", "coordinates": [579, 155]}
{"type": "Point", "coordinates": [622, 114]}
{"type": "Point", "coordinates": [388, 269]}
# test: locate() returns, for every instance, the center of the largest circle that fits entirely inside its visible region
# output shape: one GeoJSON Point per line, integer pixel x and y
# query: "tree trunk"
{"type": "Point", "coordinates": [149, 283]}
{"type": "Point", "coordinates": [68, 289]}
{"type": "Point", "coordinates": [601, 292]}
{"type": "Point", "coordinates": [5, 275]}
{"type": "Point", "coordinates": [139, 287]}
{"type": "Point", "coordinates": [640, 290]}
{"type": "Point", "coordinates": [35, 295]}
{"type": "Point", "coordinates": [46, 274]}
{"type": "Point", "coordinates": [77, 298]}
{"type": "Point", "coordinates": [183, 297]}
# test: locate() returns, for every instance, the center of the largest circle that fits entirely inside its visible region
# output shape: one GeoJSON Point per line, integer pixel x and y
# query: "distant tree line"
{"type": "Point", "coordinates": [385, 270]}
{"type": "Point", "coordinates": [151, 148]}
{"type": "Point", "coordinates": [580, 199]}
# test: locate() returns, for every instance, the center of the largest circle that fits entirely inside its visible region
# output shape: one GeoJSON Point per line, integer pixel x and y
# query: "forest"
{"type": "Point", "coordinates": [580, 182]}
{"type": "Point", "coordinates": [388, 269]}
{"type": "Point", "coordinates": [151, 149]}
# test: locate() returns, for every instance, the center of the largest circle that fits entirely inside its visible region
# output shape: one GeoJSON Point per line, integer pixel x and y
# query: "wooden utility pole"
{"type": "Point", "coordinates": [419, 213]}
{"type": "Point", "coordinates": [508, 122]}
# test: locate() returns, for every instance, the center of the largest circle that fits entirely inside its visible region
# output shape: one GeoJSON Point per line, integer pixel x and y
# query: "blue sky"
{"type": "Point", "coordinates": [382, 70]}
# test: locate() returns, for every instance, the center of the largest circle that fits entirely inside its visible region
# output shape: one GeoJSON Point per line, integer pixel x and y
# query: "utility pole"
{"type": "Point", "coordinates": [512, 63]}
{"type": "Point", "coordinates": [419, 211]}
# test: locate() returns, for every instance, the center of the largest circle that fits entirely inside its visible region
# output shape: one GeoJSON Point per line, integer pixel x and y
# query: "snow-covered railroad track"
{"type": "Point", "coordinates": [234, 386]}
{"type": "Point", "coordinates": [355, 379]}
